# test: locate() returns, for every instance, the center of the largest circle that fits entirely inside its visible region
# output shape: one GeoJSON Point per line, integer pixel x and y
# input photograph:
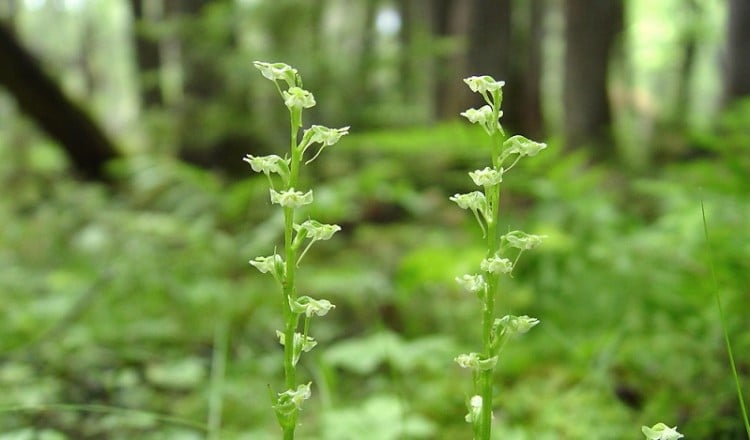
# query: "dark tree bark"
{"type": "Point", "coordinates": [148, 57]}
{"type": "Point", "coordinates": [591, 31]}
{"type": "Point", "coordinates": [505, 41]}
{"type": "Point", "coordinates": [531, 119]}
{"type": "Point", "coordinates": [37, 94]}
{"type": "Point", "coordinates": [737, 69]}
{"type": "Point", "coordinates": [450, 20]}
{"type": "Point", "coordinates": [489, 53]}
{"type": "Point", "coordinates": [213, 113]}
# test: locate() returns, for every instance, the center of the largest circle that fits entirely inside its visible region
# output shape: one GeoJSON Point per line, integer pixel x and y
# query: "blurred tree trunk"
{"type": "Point", "coordinates": [505, 41]}
{"type": "Point", "coordinates": [147, 55]}
{"type": "Point", "coordinates": [591, 30]}
{"type": "Point", "coordinates": [737, 68]}
{"type": "Point", "coordinates": [365, 92]}
{"type": "Point", "coordinates": [450, 21]}
{"type": "Point", "coordinates": [531, 122]}
{"type": "Point", "coordinates": [213, 113]}
{"type": "Point", "coordinates": [409, 12]}
{"type": "Point", "coordinates": [489, 53]}
{"type": "Point", "coordinates": [416, 57]}
{"type": "Point", "coordinates": [688, 37]}
{"type": "Point", "coordinates": [37, 94]}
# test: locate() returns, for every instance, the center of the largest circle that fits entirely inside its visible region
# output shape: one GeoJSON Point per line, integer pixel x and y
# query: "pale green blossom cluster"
{"type": "Point", "coordinates": [503, 251]}
{"type": "Point", "coordinates": [283, 180]}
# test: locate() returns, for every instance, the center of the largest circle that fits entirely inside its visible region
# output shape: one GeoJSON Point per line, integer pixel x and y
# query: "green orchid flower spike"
{"type": "Point", "coordinates": [485, 205]}
{"type": "Point", "coordinates": [283, 174]}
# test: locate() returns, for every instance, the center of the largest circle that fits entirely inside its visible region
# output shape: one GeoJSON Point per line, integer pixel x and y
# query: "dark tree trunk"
{"type": "Point", "coordinates": [148, 56]}
{"type": "Point", "coordinates": [531, 120]}
{"type": "Point", "coordinates": [737, 73]}
{"type": "Point", "coordinates": [689, 43]}
{"type": "Point", "coordinates": [505, 41]}
{"type": "Point", "coordinates": [366, 93]}
{"type": "Point", "coordinates": [489, 53]}
{"type": "Point", "coordinates": [213, 112]}
{"type": "Point", "coordinates": [450, 21]}
{"type": "Point", "coordinates": [592, 28]}
{"type": "Point", "coordinates": [84, 141]}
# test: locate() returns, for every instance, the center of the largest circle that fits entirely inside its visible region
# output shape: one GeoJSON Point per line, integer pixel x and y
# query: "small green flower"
{"type": "Point", "coordinates": [521, 240]}
{"type": "Point", "coordinates": [515, 324]}
{"type": "Point", "coordinates": [482, 115]}
{"type": "Point", "coordinates": [474, 200]}
{"type": "Point", "coordinates": [296, 397]}
{"type": "Point", "coordinates": [318, 134]}
{"type": "Point", "coordinates": [496, 265]}
{"type": "Point", "coordinates": [297, 98]}
{"type": "Point", "coordinates": [487, 177]}
{"type": "Point", "coordinates": [660, 431]}
{"type": "Point", "coordinates": [475, 410]}
{"type": "Point", "coordinates": [475, 361]}
{"type": "Point", "coordinates": [301, 343]}
{"type": "Point", "coordinates": [268, 264]}
{"type": "Point", "coordinates": [268, 164]}
{"type": "Point", "coordinates": [316, 230]}
{"type": "Point", "coordinates": [477, 203]}
{"type": "Point", "coordinates": [522, 146]}
{"type": "Point", "coordinates": [483, 84]}
{"type": "Point", "coordinates": [324, 135]}
{"type": "Point", "coordinates": [291, 198]}
{"type": "Point", "coordinates": [310, 306]}
{"type": "Point", "coordinates": [278, 71]}
{"type": "Point", "coordinates": [472, 283]}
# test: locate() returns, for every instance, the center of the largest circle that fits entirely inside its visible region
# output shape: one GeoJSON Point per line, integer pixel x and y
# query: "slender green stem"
{"type": "Point", "coordinates": [289, 288]}
{"type": "Point", "coordinates": [738, 385]}
{"type": "Point", "coordinates": [488, 312]}
{"type": "Point", "coordinates": [289, 294]}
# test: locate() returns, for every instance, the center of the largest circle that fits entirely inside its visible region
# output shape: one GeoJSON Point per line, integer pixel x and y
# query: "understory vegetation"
{"type": "Point", "coordinates": [116, 301]}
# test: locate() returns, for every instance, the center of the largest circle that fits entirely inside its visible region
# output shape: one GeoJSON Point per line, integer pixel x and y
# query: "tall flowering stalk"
{"type": "Point", "coordinates": [283, 180]}
{"type": "Point", "coordinates": [503, 251]}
